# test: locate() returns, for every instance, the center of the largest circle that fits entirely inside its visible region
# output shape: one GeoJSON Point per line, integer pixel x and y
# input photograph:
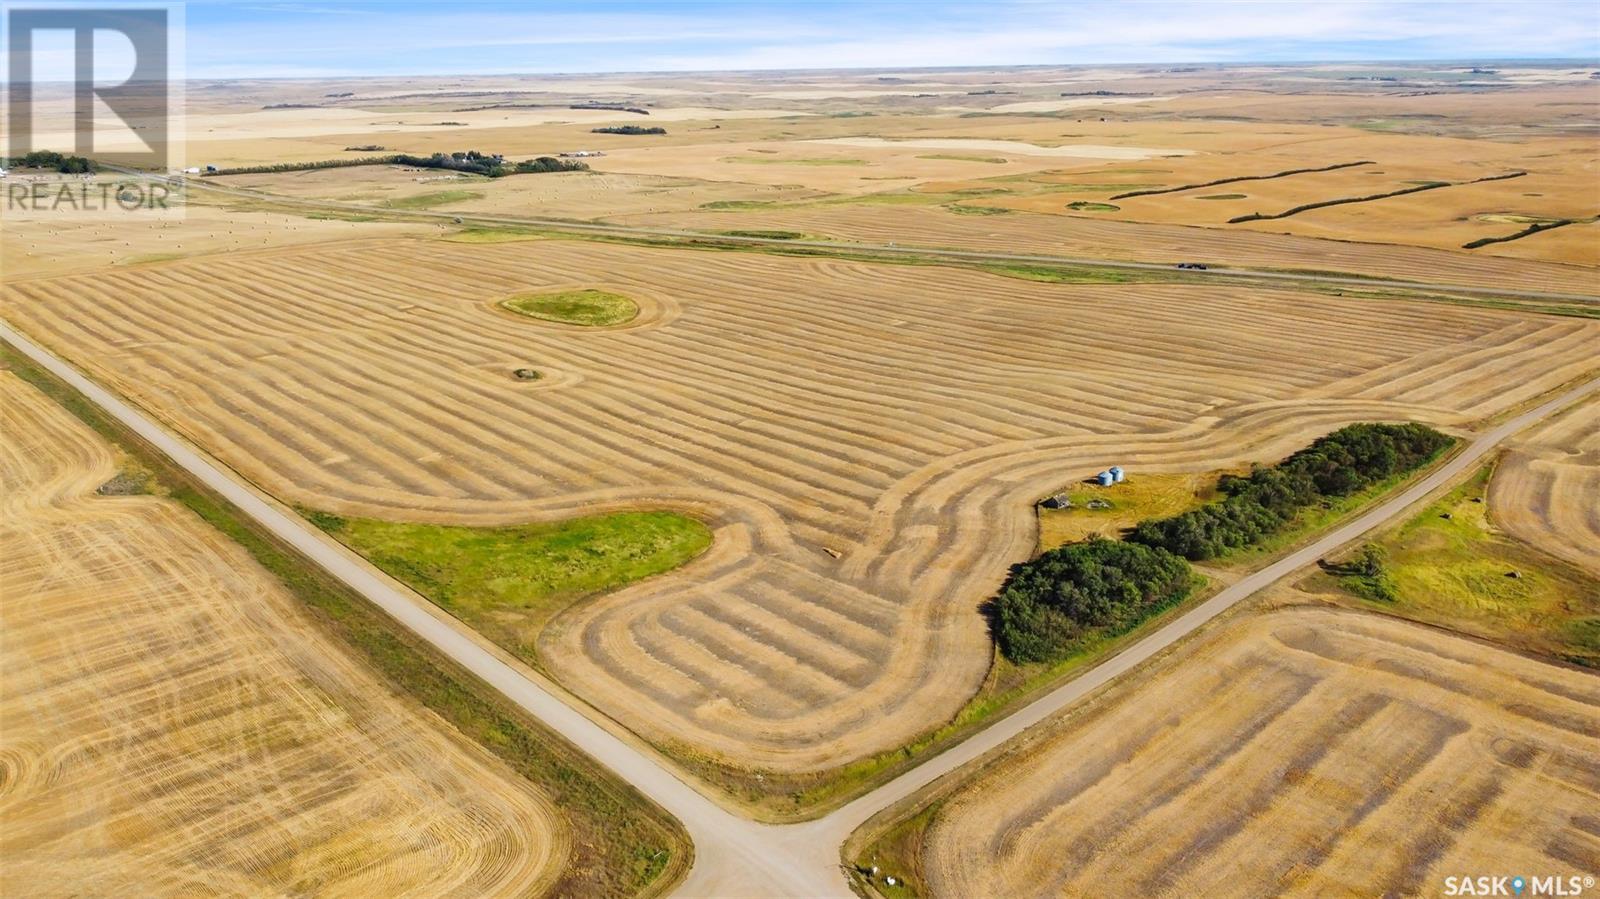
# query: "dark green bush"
{"type": "Point", "coordinates": [1347, 461]}
{"type": "Point", "coordinates": [1101, 587]}
{"type": "Point", "coordinates": [50, 159]}
{"type": "Point", "coordinates": [469, 161]}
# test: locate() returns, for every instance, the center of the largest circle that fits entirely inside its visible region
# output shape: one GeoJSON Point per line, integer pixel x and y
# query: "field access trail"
{"type": "Point", "coordinates": [735, 856]}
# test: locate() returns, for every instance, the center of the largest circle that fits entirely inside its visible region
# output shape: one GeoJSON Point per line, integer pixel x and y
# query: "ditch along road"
{"type": "Point", "coordinates": [871, 249]}
{"type": "Point", "coordinates": [735, 856]}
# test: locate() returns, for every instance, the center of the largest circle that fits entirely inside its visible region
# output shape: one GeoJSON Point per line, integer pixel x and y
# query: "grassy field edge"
{"type": "Point", "coordinates": [1455, 569]}
{"type": "Point", "coordinates": [624, 844]}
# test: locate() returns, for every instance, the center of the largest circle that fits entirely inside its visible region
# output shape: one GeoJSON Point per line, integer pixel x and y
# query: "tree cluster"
{"type": "Point", "coordinates": [1050, 604]}
{"type": "Point", "coordinates": [469, 161]}
{"type": "Point", "coordinates": [611, 107]}
{"type": "Point", "coordinates": [1344, 462]}
{"type": "Point", "coordinates": [628, 129]}
{"type": "Point", "coordinates": [50, 159]}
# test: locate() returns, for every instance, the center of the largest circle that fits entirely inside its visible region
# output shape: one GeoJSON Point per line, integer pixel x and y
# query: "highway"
{"type": "Point", "coordinates": [884, 250]}
{"type": "Point", "coordinates": [735, 856]}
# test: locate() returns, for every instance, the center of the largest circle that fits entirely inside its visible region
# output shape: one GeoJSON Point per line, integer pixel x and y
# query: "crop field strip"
{"type": "Point", "coordinates": [1029, 233]}
{"type": "Point", "coordinates": [1315, 752]}
{"type": "Point", "coordinates": [171, 723]}
{"type": "Point", "coordinates": [1544, 490]}
{"type": "Point", "coordinates": [903, 417]}
{"type": "Point", "coordinates": [1286, 173]}
{"type": "Point", "coordinates": [1369, 198]}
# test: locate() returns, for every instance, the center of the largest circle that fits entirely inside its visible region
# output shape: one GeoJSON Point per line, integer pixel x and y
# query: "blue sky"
{"type": "Point", "coordinates": [393, 37]}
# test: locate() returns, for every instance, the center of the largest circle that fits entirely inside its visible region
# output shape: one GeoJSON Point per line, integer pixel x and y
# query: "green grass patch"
{"type": "Point", "coordinates": [1109, 511]}
{"type": "Point", "coordinates": [592, 308]}
{"type": "Point", "coordinates": [434, 199]}
{"type": "Point", "coordinates": [957, 157]}
{"type": "Point", "coordinates": [766, 235]}
{"type": "Point", "coordinates": [508, 582]}
{"type": "Point", "coordinates": [359, 217]}
{"type": "Point", "coordinates": [739, 204]}
{"type": "Point", "coordinates": [1222, 197]}
{"type": "Point", "coordinates": [493, 235]}
{"type": "Point", "coordinates": [1070, 275]}
{"type": "Point", "coordinates": [1450, 566]}
{"type": "Point", "coordinates": [960, 209]}
{"type": "Point", "coordinates": [1089, 206]}
{"type": "Point", "coordinates": [897, 853]}
{"type": "Point", "coordinates": [626, 845]}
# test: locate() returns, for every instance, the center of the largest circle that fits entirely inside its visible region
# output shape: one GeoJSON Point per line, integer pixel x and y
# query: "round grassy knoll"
{"type": "Point", "coordinates": [593, 308]}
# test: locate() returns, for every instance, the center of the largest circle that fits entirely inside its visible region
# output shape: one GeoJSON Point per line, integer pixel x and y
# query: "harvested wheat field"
{"type": "Point", "coordinates": [1028, 233]}
{"type": "Point", "coordinates": [867, 440]}
{"type": "Point", "coordinates": [173, 725]}
{"type": "Point", "coordinates": [1310, 752]}
{"type": "Point", "coordinates": [1547, 488]}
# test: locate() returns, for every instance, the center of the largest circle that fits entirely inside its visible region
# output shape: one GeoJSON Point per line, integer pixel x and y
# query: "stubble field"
{"type": "Point", "coordinates": [867, 440]}
{"type": "Point", "coordinates": [1306, 751]}
{"type": "Point", "coordinates": [1545, 490]}
{"type": "Point", "coordinates": [173, 724]}
{"type": "Point", "coordinates": [1094, 238]}
{"type": "Point", "coordinates": [1002, 147]}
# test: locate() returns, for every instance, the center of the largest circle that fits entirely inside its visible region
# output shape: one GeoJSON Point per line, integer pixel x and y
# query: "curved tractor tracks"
{"type": "Point", "coordinates": [735, 856]}
{"type": "Point", "coordinates": [867, 439]}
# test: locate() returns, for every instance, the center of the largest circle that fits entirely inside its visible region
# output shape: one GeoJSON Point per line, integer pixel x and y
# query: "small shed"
{"type": "Point", "coordinates": [1105, 479]}
{"type": "Point", "coordinates": [1059, 501]}
{"type": "Point", "coordinates": [1116, 473]}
